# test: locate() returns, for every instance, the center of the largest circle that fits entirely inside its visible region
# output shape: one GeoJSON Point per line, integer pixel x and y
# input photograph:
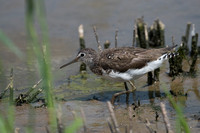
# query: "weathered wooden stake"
{"type": "Point", "coordinates": [113, 117]}
{"type": "Point", "coordinates": [82, 45]}
{"type": "Point", "coordinates": [106, 44]}
{"type": "Point", "coordinates": [156, 40]}
{"type": "Point", "coordinates": [194, 53]}
{"type": "Point", "coordinates": [150, 78]}
{"type": "Point", "coordinates": [97, 38]}
{"type": "Point", "coordinates": [136, 38]}
{"type": "Point", "coordinates": [156, 74]}
{"type": "Point", "coordinates": [175, 63]}
{"type": "Point", "coordinates": [141, 36]}
{"type": "Point", "coordinates": [134, 35]}
{"type": "Point", "coordinates": [199, 50]}
{"type": "Point", "coordinates": [186, 38]}
{"type": "Point", "coordinates": [156, 34]}
{"type": "Point", "coordinates": [11, 88]}
{"type": "Point", "coordinates": [142, 40]}
{"type": "Point", "coordinates": [116, 37]}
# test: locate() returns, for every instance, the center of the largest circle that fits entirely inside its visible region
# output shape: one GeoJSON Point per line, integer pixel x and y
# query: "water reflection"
{"type": "Point", "coordinates": [153, 92]}
{"type": "Point", "coordinates": [177, 90]}
{"type": "Point", "coordinates": [195, 88]}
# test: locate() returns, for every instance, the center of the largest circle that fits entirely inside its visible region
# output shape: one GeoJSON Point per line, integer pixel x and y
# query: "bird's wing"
{"type": "Point", "coordinates": [122, 59]}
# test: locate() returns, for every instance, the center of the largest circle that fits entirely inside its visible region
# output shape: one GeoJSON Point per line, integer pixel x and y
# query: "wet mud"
{"type": "Point", "coordinates": [87, 91]}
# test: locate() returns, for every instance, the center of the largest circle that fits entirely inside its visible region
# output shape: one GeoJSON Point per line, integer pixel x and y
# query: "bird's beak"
{"type": "Point", "coordinates": [71, 62]}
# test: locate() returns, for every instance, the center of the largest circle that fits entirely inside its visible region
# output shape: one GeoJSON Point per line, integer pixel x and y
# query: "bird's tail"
{"type": "Point", "coordinates": [170, 52]}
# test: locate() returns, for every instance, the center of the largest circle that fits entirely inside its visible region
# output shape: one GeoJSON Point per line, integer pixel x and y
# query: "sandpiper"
{"type": "Point", "coordinates": [124, 63]}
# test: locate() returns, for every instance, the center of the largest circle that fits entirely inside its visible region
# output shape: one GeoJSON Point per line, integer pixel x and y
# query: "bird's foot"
{"type": "Point", "coordinates": [120, 93]}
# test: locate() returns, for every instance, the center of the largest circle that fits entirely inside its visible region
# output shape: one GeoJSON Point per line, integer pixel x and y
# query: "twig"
{"type": "Point", "coordinates": [72, 111]}
{"type": "Point", "coordinates": [130, 114]}
{"type": "Point", "coordinates": [22, 97]}
{"type": "Point", "coordinates": [97, 39]}
{"type": "Point", "coordinates": [17, 129]}
{"type": "Point", "coordinates": [32, 88]}
{"type": "Point", "coordinates": [11, 87]}
{"type": "Point", "coordinates": [84, 121]}
{"type": "Point", "coordinates": [59, 120]}
{"type": "Point", "coordinates": [148, 126]}
{"type": "Point", "coordinates": [47, 129]}
{"type": "Point", "coordinates": [4, 92]}
{"type": "Point", "coordinates": [110, 126]}
{"type": "Point", "coordinates": [32, 97]}
{"type": "Point", "coordinates": [116, 37]}
{"type": "Point", "coordinates": [126, 129]}
{"type": "Point", "coordinates": [166, 119]}
{"type": "Point", "coordinates": [113, 118]}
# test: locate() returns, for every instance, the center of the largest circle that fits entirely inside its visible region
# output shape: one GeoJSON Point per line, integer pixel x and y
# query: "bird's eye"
{"type": "Point", "coordinates": [82, 54]}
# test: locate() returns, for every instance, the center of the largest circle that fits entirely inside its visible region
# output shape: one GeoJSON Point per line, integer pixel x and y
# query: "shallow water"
{"type": "Point", "coordinates": [63, 18]}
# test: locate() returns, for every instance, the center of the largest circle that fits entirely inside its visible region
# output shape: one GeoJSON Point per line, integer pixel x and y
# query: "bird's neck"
{"type": "Point", "coordinates": [95, 66]}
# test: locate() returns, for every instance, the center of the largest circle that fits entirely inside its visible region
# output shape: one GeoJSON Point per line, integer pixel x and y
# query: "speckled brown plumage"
{"type": "Point", "coordinates": [124, 58]}
{"type": "Point", "coordinates": [118, 59]}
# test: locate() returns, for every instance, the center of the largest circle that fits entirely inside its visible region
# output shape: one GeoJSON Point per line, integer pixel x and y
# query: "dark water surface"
{"type": "Point", "coordinates": [64, 17]}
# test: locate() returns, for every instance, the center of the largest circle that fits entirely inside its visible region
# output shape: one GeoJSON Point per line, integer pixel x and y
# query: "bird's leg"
{"type": "Point", "coordinates": [127, 94]}
{"type": "Point", "coordinates": [118, 94]}
{"type": "Point", "coordinates": [133, 90]}
{"type": "Point", "coordinates": [126, 86]}
{"type": "Point", "coordinates": [132, 85]}
{"type": "Point", "coordinates": [127, 91]}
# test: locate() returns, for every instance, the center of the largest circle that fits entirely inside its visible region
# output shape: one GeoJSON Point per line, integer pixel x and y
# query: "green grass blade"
{"type": "Point", "coordinates": [41, 50]}
{"type": "Point", "coordinates": [11, 118]}
{"type": "Point", "coordinates": [180, 116]}
{"type": "Point", "coordinates": [7, 42]}
{"type": "Point", "coordinates": [2, 125]}
{"type": "Point", "coordinates": [76, 124]}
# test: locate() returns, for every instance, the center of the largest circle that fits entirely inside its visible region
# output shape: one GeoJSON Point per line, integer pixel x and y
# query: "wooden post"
{"type": "Point", "coordinates": [156, 40]}
{"type": "Point", "coordinates": [156, 34]}
{"type": "Point", "coordinates": [150, 78]}
{"type": "Point", "coordinates": [106, 44]}
{"type": "Point", "coordinates": [142, 33]}
{"type": "Point", "coordinates": [152, 38]}
{"type": "Point", "coordinates": [116, 37]}
{"type": "Point", "coordinates": [186, 38]}
{"type": "Point", "coordinates": [175, 63]}
{"type": "Point", "coordinates": [82, 45]}
{"type": "Point", "coordinates": [194, 53]}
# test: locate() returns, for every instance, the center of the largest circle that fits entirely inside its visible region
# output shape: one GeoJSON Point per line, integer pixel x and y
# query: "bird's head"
{"type": "Point", "coordinates": [86, 56]}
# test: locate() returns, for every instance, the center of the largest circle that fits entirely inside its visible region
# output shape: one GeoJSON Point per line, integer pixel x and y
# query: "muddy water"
{"type": "Point", "coordinates": [88, 91]}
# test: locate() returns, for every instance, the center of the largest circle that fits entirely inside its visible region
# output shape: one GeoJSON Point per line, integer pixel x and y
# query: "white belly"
{"type": "Point", "coordinates": [133, 74]}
